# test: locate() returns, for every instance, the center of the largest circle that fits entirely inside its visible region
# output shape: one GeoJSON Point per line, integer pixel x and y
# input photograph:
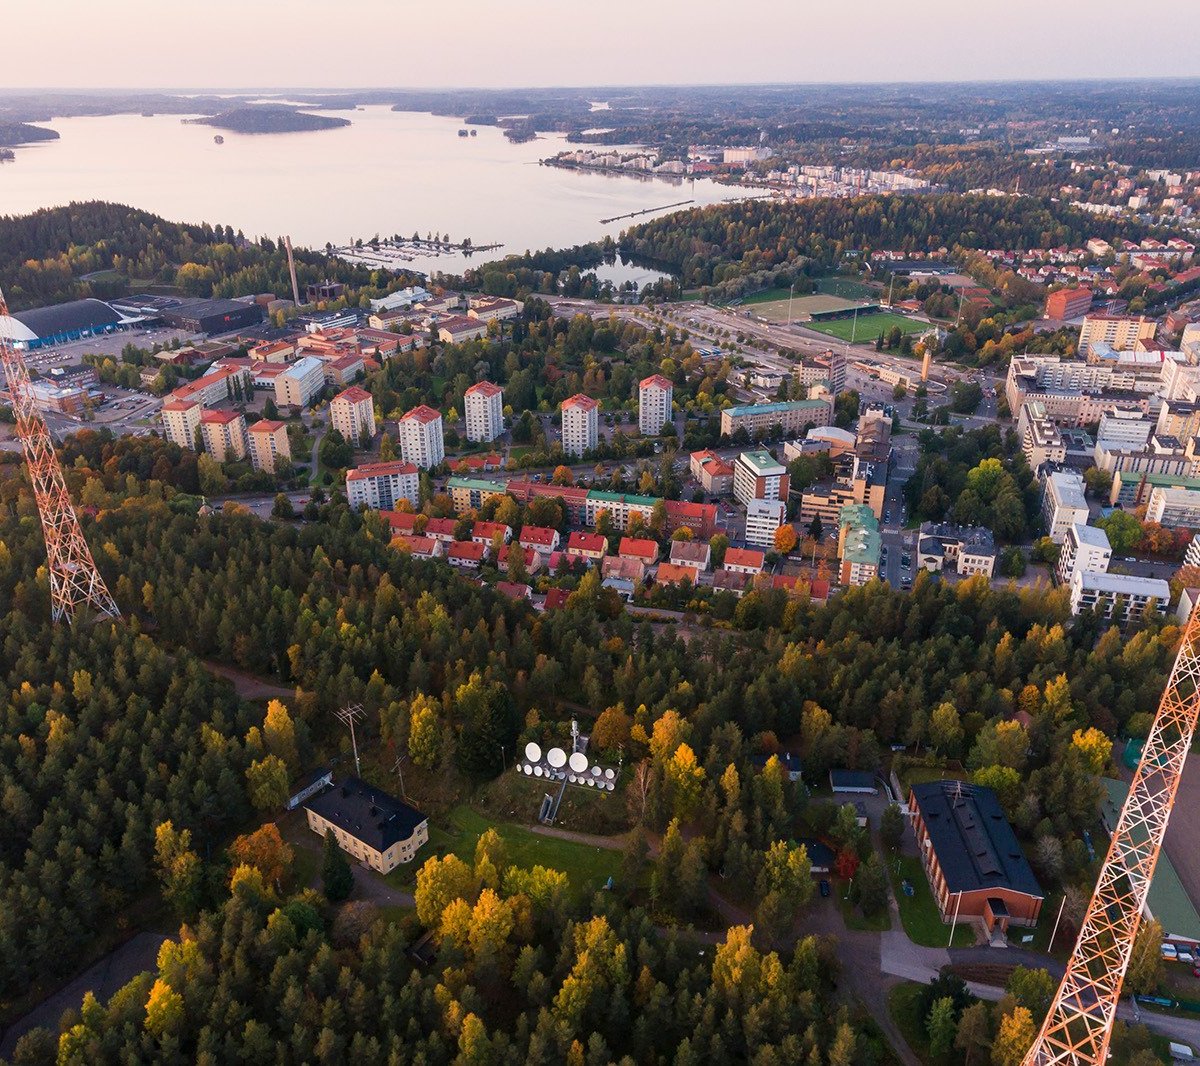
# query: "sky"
{"type": "Point", "coordinates": [251, 44]}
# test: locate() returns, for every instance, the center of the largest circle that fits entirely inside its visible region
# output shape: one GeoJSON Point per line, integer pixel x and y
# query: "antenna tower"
{"type": "Point", "coordinates": [1078, 1027]}
{"type": "Point", "coordinates": [75, 582]}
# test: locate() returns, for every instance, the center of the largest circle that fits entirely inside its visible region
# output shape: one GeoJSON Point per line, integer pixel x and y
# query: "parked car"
{"type": "Point", "coordinates": [824, 889]}
{"type": "Point", "coordinates": [1185, 957]}
{"type": "Point", "coordinates": [1169, 952]}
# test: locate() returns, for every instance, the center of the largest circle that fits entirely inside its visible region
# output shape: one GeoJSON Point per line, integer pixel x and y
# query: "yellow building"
{"type": "Point", "coordinates": [224, 434]}
{"type": "Point", "coordinates": [269, 445]}
{"type": "Point", "coordinates": [378, 829]}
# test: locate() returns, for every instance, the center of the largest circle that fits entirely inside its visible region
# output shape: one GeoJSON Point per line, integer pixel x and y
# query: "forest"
{"type": "Point", "coordinates": [114, 732]}
{"type": "Point", "coordinates": [44, 255]}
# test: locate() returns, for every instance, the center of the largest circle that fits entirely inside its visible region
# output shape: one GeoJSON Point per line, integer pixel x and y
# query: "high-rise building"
{"type": "Point", "coordinates": [1068, 303]}
{"type": "Point", "coordinates": [269, 445]}
{"type": "Point", "coordinates": [483, 405]}
{"type": "Point", "coordinates": [763, 517]}
{"type": "Point", "coordinates": [758, 475]}
{"type": "Point", "coordinates": [181, 419]}
{"type": "Point", "coordinates": [224, 434]}
{"type": "Point", "coordinates": [1084, 548]}
{"type": "Point", "coordinates": [1122, 332]}
{"type": "Point", "coordinates": [654, 404]}
{"type": "Point", "coordinates": [381, 485]}
{"type": "Point", "coordinates": [580, 424]}
{"type": "Point", "coordinates": [300, 382]}
{"type": "Point", "coordinates": [352, 414]}
{"type": "Point", "coordinates": [421, 437]}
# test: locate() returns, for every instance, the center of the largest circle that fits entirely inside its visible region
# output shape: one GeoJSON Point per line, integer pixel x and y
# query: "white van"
{"type": "Point", "coordinates": [1169, 952]}
{"type": "Point", "coordinates": [1181, 1052]}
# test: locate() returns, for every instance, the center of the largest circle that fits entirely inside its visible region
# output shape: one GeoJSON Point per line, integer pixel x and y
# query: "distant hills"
{"type": "Point", "coordinates": [23, 133]}
{"type": "Point", "coordinates": [270, 119]}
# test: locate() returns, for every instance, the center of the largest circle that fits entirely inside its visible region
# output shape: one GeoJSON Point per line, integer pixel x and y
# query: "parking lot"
{"type": "Point", "coordinates": [72, 353]}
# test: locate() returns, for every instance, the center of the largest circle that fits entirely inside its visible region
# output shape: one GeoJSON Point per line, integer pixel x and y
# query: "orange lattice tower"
{"type": "Point", "coordinates": [75, 582]}
{"type": "Point", "coordinates": [1079, 1025]}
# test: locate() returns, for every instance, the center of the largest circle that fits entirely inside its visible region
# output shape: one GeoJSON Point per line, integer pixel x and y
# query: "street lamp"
{"type": "Point", "coordinates": [791, 294]}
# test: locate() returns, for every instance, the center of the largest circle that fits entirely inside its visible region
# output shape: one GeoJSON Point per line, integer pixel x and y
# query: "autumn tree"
{"type": "Point", "coordinates": [785, 539]}
{"type": "Point", "coordinates": [178, 868]}
{"type": "Point", "coordinates": [424, 732]}
{"type": "Point", "coordinates": [337, 878]}
{"type": "Point", "coordinates": [265, 850]}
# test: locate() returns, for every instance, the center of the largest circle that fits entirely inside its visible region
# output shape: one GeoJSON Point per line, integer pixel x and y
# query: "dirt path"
{"type": "Point", "coordinates": [248, 686]}
{"type": "Point", "coordinates": [112, 972]}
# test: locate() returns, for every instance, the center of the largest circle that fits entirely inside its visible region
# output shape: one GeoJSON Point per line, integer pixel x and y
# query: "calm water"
{"type": "Point", "coordinates": [388, 172]}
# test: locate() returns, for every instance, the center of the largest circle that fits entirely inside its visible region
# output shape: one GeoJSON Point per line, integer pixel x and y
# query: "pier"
{"type": "Point", "coordinates": [645, 211]}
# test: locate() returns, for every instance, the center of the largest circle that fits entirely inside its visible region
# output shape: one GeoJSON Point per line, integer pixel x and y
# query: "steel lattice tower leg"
{"type": "Point", "coordinates": [1078, 1027]}
{"type": "Point", "coordinates": [74, 580]}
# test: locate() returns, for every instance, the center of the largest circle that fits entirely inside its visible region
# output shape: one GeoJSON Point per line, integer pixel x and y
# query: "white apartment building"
{"type": "Point", "coordinates": [1121, 331]}
{"type": "Point", "coordinates": [1123, 431]}
{"type": "Point", "coordinates": [1084, 548]}
{"type": "Point", "coordinates": [1118, 596]}
{"type": "Point", "coordinates": [1174, 507]}
{"type": "Point", "coordinates": [421, 437]}
{"type": "Point", "coordinates": [654, 404]}
{"type": "Point", "coordinates": [1041, 440]}
{"type": "Point", "coordinates": [580, 424]}
{"type": "Point", "coordinates": [269, 445]}
{"type": "Point", "coordinates": [381, 486]}
{"type": "Point", "coordinates": [224, 434]}
{"type": "Point", "coordinates": [216, 386]}
{"type": "Point", "coordinates": [181, 419]}
{"type": "Point", "coordinates": [483, 406]}
{"type": "Point", "coordinates": [1063, 503]}
{"type": "Point", "coordinates": [758, 476]}
{"type": "Point", "coordinates": [763, 517]}
{"type": "Point", "coordinates": [352, 414]}
{"type": "Point", "coordinates": [1191, 557]}
{"type": "Point", "coordinates": [300, 382]}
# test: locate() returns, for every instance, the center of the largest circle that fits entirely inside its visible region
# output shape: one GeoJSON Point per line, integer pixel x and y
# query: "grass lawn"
{"type": "Point", "coordinates": [587, 867]}
{"type": "Point", "coordinates": [847, 288]}
{"type": "Point", "coordinates": [869, 326]}
{"type": "Point", "coordinates": [919, 775]}
{"type": "Point", "coordinates": [1041, 932]}
{"type": "Point", "coordinates": [767, 296]}
{"type": "Point", "coordinates": [854, 918]}
{"type": "Point", "coordinates": [919, 913]}
{"type": "Point", "coordinates": [903, 1006]}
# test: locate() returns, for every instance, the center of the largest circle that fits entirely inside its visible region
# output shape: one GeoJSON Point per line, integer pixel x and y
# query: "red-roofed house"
{"type": "Point", "coordinates": [700, 518]}
{"type": "Point", "coordinates": [402, 521]}
{"type": "Point", "coordinates": [539, 538]}
{"type": "Point", "coordinates": [639, 548]}
{"type": "Point", "coordinates": [485, 532]}
{"type": "Point", "coordinates": [441, 529]}
{"type": "Point", "coordinates": [418, 547]}
{"type": "Point", "coordinates": [744, 560]}
{"type": "Point", "coordinates": [590, 546]}
{"type": "Point", "coordinates": [467, 553]}
{"type": "Point", "coordinates": [556, 598]}
{"type": "Point", "coordinates": [730, 581]}
{"type": "Point", "coordinates": [623, 566]}
{"type": "Point", "coordinates": [514, 590]}
{"type": "Point", "coordinates": [670, 574]}
{"type": "Point", "coordinates": [691, 553]}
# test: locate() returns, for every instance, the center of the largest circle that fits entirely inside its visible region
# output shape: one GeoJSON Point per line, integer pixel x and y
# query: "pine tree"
{"type": "Point", "coordinates": [336, 876]}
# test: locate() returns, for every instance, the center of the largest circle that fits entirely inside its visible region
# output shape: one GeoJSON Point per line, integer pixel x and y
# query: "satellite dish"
{"type": "Point", "coordinates": [578, 762]}
{"type": "Point", "coordinates": [533, 752]}
{"type": "Point", "coordinates": [610, 774]}
{"type": "Point", "coordinates": [557, 758]}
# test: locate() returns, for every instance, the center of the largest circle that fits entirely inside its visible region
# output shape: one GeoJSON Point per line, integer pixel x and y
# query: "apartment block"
{"type": "Point", "coordinates": [1123, 332]}
{"type": "Point", "coordinates": [1084, 548]}
{"type": "Point", "coordinates": [859, 545]}
{"type": "Point", "coordinates": [654, 404]}
{"type": "Point", "coordinates": [381, 486]}
{"type": "Point", "coordinates": [1063, 503]}
{"type": "Point", "coordinates": [763, 517]}
{"type": "Point", "coordinates": [580, 425]}
{"type": "Point", "coordinates": [714, 474]}
{"type": "Point", "coordinates": [1118, 597]}
{"type": "Point", "coordinates": [269, 445]}
{"type": "Point", "coordinates": [224, 434]}
{"type": "Point", "coordinates": [1041, 440]}
{"type": "Point", "coordinates": [181, 419]}
{"type": "Point", "coordinates": [1174, 507]}
{"type": "Point", "coordinates": [1068, 303]}
{"type": "Point", "coordinates": [483, 406]}
{"type": "Point", "coordinates": [420, 434]}
{"type": "Point", "coordinates": [300, 383]}
{"type": "Point", "coordinates": [352, 414]}
{"type": "Point", "coordinates": [758, 475]}
{"type": "Point", "coordinates": [793, 416]}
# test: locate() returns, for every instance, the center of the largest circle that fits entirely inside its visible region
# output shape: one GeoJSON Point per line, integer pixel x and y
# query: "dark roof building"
{"type": "Point", "coordinates": [213, 316]}
{"type": "Point", "coordinates": [974, 863]}
{"type": "Point", "coordinates": [375, 827]}
{"type": "Point", "coordinates": [861, 781]}
{"type": "Point", "coordinates": [63, 322]}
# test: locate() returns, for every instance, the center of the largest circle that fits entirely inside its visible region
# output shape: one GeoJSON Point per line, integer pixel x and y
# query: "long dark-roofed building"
{"type": "Point", "coordinates": [376, 828]}
{"type": "Point", "coordinates": [60, 323]}
{"type": "Point", "coordinates": [971, 856]}
{"type": "Point", "coordinates": [213, 316]}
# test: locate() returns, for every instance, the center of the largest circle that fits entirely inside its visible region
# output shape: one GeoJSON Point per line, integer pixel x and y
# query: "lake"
{"type": "Point", "coordinates": [388, 172]}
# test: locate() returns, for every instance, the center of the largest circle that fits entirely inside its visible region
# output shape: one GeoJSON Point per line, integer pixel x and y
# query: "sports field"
{"type": "Point", "coordinates": [869, 326]}
{"type": "Point", "coordinates": [802, 307]}
{"type": "Point", "coordinates": [847, 288]}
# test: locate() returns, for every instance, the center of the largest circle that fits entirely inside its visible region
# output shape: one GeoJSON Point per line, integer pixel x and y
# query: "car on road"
{"type": "Point", "coordinates": [824, 889]}
{"type": "Point", "coordinates": [1186, 957]}
{"type": "Point", "coordinates": [906, 561]}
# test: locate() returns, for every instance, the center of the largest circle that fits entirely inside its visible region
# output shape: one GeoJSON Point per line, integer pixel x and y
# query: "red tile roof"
{"type": "Point", "coordinates": [585, 403]}
{"type": "Point", "coordinates": [180, 405]}
{"type": "Point", "coordinates": [586, 542]}
{"type": "Point", "coordinates": [556, 598]}
{"type": "Point", "coordinates": [655, 379]}
{"type": "Point", "coordinates": [638, 548]}
{"type": "Point", "coordinates": [220, 417]}
{"type": "Point", "coordinates": [443, 527]}
{"type": "Point", "coordinates": [467, 549]}
{"type": "Point", "coordinates": [487, 530]}
{"type": "Point", "coordinates": [416, 545]}
{"type": "Point", "coordinates": [484, 388]}
{"type": "Point", "coordinates": [537, 536]}
{"type": "Point", "coordinates": [380, 470]}
{"type": "Point", "coordinates": [422, 414]}
{"type": "Point", "coordinates": [744, 557]}
{"type": "Point", "coordinates": [670, 574]}
{"type": "Point", "coordinates": [401, 521]}
{"type": "Point", "coordinates": [513, 589]}
{"type": "Point", "coordinates": [353, 395]}
{"type": "Point", "coordinates": [265, 425]}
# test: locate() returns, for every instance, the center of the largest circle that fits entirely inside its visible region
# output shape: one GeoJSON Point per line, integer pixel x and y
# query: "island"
{"type": "Point", "coordinates": [271, 119]}
{"type": "Point", "coordinates": [12, 133]}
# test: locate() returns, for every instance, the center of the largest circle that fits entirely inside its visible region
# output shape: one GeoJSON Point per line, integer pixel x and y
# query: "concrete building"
{"type": "Point", "coordinates": [859, 545]}
{"type": "Point", "coordinates": [970, 549]}
{"type": "Point", "coordinates": [374, 827]}
{"type": "Point", "coordinates": [469, 494]}
{"type": "Point", "coordinates": [420, 434]}
{"type": "Point", "coordinates": [654, 404]}
{"type": "Point", "coordinates": [300, 383]}
{"type": "Point", "coordinates": [1123, 431]}
{"type": "Point", "coordinates": [1068, 303]}
{"type": "Point", "coordinates": [457, 328]}
{"type": "Point", "coordinates": [758, 475]}
{"type": "Point", "coordinates": [181, 419]}
{"type": "Point", "coordinates": [1174, 507]}
{"type": "Point", "coordinates": [975, 865]}
{"type": "Point", "coordinates": [580, 425]}
{"type": "Point", "coordinates": [224, 435]}
{"type": "Point", "coordinates": [1063, 503]}
{"type": "Point", "coordinates": [1118, 596]}
{"type": "Point", "coordinates": [270, 448]}
{"type": "Point", "coordinates": [1123, 332]}
{"type": "Point", "coordinates": [792, 416]}
{"type": "Point", "coordinates": [763, 517]}
{"type": "Point", "coordinates": [216, 386]}
{"type": "Point", "coordinates": [1041, 440]}
{"type": "Point", "coordinates": [352, 414]}
{"type": "Point", "coordinates": [483, 407]}
{"type": "Point", "coordinates": [1084, 548]}
{"type": "Point", "coordinates": [381, 486]}
{"type": "Point", "coordinates": [619, 506]}
{"type": "Point", "coordinates": [693, 553]}
{"type": "Point", "coordinates": [714, 474]}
